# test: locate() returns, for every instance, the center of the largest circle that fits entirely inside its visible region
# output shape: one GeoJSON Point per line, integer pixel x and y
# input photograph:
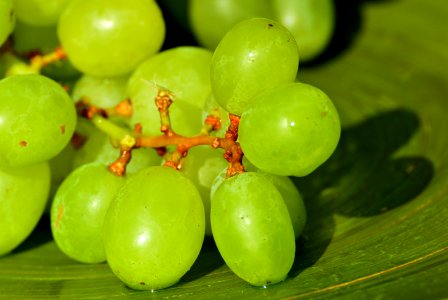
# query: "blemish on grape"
{"type": "Point", "coordinates": [62, 128]}
{"type": "Point", "coordinates": [23, 143]}
{"type": "Point", "coordinates": [58, 219]}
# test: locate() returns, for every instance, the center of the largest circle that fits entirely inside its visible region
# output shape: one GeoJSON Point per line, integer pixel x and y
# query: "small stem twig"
{"type": "Point", "coordinates": [131, 140]}
{"type": "Point", "coordinates": [39, 61]}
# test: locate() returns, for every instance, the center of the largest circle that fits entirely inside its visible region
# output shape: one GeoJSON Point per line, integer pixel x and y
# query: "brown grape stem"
{"type": "Point", "coordinates": [39, 61]}
{"type": "Point", "coordinates": [163, 100]}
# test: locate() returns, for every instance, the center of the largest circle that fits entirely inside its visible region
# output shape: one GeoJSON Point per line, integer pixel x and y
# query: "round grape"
{"type": "Point", "coordinates": [108, 38]}
{"type": "Point", "coordinates": [37, 119]}
{"type": "Point", "coordinates": [252, 229]}
{"type": "Point", "coordinates": [185, 72]}
{"type": "Point", "coordinates": [290, 130]}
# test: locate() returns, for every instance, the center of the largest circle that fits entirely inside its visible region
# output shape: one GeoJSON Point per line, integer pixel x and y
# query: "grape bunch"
{"type": "Point", "coordinates": [140, 153]}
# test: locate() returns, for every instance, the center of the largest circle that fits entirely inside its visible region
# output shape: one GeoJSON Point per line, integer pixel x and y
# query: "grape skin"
{"type": "Point", "coordinates": [40, 12]}
{"type": "Point", "coordinates": [290, 194]}
{"type": "Point", "coordinates": [23, 196]}
{"type": "Point", "coordinates": [7, 19]}
{"type": "Point", "coordinates": [154, 228]}
{"type": "Point", "coordinates": [184, 71]}
{"type": "Point", "coordinates": [252, 229]}
{"type": "Point", "coordinates": [302, 126]}
{"type": "Point", "coordinates": [211, 19]}
{"type": "Point", "coordinates": [37, 119]}
{"type": "Point", "coordinates": [79, 209]}
{"type": "Point", "coordinates": [102, 38]}
{"type": "Point", "coordinates": [311, 22]}
{"type": "Point", "coordinates": [255, 55]}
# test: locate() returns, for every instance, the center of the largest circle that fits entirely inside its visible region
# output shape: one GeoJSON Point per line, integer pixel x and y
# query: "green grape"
{"type": "Point", "coordinates": [61, 166]}
{"type": "Point", "coordinates": [7, 19]}
{"type": "Point", "coordinates": [184, 71]}
{"type": "Point", "coordinates": [40, 12]}
{"type": "Point", "coordinates": [98, 148]}
{"type": "Point", "coordinates": [252, 229]}
{"type": "Point", "coordinates": [37, 119]}
{"type": "Point", "coordinates": [290, 130]}
{"type": "Point", "coordinates": [310, 21]}
{"type": "Point", "coordinates": [79, 209]}
{"type": "Point", "coordinates": [293, 200]}
{"type": "Point", "coordinates": [108, 38]}
{"type": "Point", "coordinates": [154, 228]}
{"type": "Point", "coordinates": [255, 55]}
{"type": "Point", "coordinates": [102, 92]}
{"type": "Point", "coordinates": [290, 194]}
{"type": "Point", "coordinates": [211, 19]}
{"type": "Point", "coordinates": [23, 195]}
{"type": "Point", "coordinates": [201, 166]}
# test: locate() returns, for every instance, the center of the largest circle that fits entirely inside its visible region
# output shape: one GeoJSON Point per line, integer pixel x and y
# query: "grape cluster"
{"type": "Point", "coordinates": [150, 151]}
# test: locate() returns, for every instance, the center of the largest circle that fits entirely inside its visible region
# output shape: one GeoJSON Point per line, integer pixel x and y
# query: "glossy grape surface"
{"type": "Point", "coordinates": [310, 21]}
{"type": "Point", "coordinates": [154, 229]}
{"type": "Point", "coordinates": [7, 19]}
{"type": "Point", "coordinates": [23, 195]}
{"type": "Point", "coordinates": [184, 71]}
{"type": "Point", "coordinates": [211, 19]}
{"type": "Point", "coordinates": [255, 55]}
{"type": "Point", "coordinates": [37, 119]}
{"type": "Point", "coordinates": [290, 130]}
{"type": "Point", "coordinates": [252, 229]}
{"type": "Point", "coordinates": [103, 37]}
{"type": "Point", "coordinates": [79, 209]}
{"type": "Point", "coordinates": [99, 91]}
{"type": "Point", "coordinates": [290, 194]}
{"type": "Point", "coordinates": [40, 12]}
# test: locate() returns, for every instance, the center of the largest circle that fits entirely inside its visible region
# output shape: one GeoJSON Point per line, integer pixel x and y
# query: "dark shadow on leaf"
{"type": "Point", "coordinates": [40, 235]}
{"type": "Point", "coordinates": [390, 185]}
{"type": "Point", "coordinates": [348, 23]}
{"type": "Point", "coordinates": [313, 242]}
{"type": "Point", "coordinates": [360, 179]}
{"type": "Point", "coordinates": [208, 260]}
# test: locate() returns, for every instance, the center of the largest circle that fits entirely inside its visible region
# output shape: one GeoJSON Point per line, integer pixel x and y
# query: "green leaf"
{"type": "Point", "coordinates": [377, 209]}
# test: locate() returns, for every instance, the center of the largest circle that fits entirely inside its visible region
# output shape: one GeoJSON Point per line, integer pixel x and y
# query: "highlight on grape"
{"type": "Point", "coordinates": [140, 152]}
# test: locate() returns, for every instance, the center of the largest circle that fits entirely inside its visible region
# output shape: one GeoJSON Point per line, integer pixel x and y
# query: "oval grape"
{"type": "Point", "coordinates": [252, 229]}
{"type": "Point", "coordinates": [37, 119]}
{"type": "Point", "coordinates": [154, 228]}
{"type": "Point", "coordinates": [79, 209]}
{"type": "Point", "coordinates": [23, 196]}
